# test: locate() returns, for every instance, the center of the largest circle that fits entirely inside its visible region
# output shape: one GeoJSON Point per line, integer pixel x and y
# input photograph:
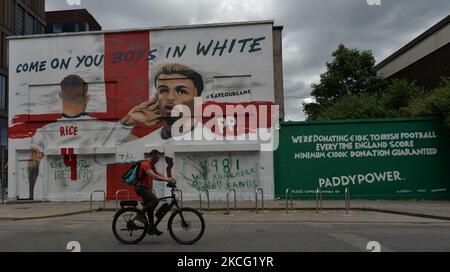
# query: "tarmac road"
{"type": "Point", "coordinates": [268, 231]}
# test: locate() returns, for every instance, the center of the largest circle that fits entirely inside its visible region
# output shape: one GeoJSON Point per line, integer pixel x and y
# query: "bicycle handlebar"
{"type": "Point", "coordinates": [172, 185]}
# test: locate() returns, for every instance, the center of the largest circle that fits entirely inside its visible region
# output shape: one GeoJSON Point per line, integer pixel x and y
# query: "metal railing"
{"type": "Point", "coordinates": [104, 199]}
{"type": "Point", "coordinates": [262, 199]}
{"type": "Point", "coordinates": [319, 199]}
{"type": "Point", "coordinates": [200, 197]}
{"type": "Point", "coordinates": [289, 192]}
{"type": "Point", "coordinates": [117, 196]}
{"type": "Point", "coordinates": [347, 200]}
{"type": "Point", "coordinates": [181, 196]}
{"type": "Point", "coordinates": [228, 195]}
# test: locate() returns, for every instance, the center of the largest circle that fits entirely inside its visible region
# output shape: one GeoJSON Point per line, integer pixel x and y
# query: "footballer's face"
{"type": "Point", "coordinates": [174, 89]}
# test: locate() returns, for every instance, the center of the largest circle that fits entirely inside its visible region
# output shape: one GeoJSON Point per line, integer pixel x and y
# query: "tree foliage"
{"type": "Point", "coordinates": [350, 72]}
{"type": "Point", "coordinates": [392, 102]}
{"type": "Point", "coordinates": [350, 89]}
{"type": "Point", "coordinates": [436, 103]}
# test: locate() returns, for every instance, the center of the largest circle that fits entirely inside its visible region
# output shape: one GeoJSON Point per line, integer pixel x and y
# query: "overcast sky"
{"type": "Point", "coordinates": [312, 28]}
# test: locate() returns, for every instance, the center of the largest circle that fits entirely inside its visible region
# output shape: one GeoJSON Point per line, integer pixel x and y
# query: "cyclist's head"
{"type": "Point", "coordinates": [154, 156]}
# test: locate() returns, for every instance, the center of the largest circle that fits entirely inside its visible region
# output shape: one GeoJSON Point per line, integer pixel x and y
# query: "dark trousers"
{"type": "Point", "coordinates": [150, 201]}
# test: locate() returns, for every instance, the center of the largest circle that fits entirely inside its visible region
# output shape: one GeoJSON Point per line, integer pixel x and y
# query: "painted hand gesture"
{"type": "Point", "coordinates": [146, 113]}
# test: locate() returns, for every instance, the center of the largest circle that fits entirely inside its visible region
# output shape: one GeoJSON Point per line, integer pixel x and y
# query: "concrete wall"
{"type": "Point", "coordinates": [278, 68]}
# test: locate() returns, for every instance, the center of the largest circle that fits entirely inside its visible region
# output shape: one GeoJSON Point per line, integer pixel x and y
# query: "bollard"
{"type": "Point", "coordinates": [262, 199]}
{"type": "Point", "coordinates": [319, 199]}
{"type": "Point", "coordinates": [347, 200]}
{"type": "Point", "coordinates": [104, 199]}
{"type": "Point", "coordinates": [289, 190]}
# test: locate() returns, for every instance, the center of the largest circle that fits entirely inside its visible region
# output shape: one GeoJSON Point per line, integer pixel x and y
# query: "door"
{"type": "Point", "coordinates": [23, 183]}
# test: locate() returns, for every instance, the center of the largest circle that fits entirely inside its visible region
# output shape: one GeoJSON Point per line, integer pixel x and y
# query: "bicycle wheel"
{"type": "Point", "coordinates": [186, 226]}
{"type": "Point", "coordinates": [126, 228]}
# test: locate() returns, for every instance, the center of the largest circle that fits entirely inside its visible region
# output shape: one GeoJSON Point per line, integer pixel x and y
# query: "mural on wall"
{"type": "Point", "coordinates": [88, 105]}
{"type": "Point", "coordinates": [70, 173]}
{"type": "Point", "coordinates": [219, 172]}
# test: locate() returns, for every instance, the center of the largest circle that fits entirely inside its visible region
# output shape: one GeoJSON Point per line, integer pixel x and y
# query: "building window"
{"type": "Point", "coordinates": [4, 137]}
{"type": "Point", "coordinates": [30, 25]}
{"type": "Point", "coordinates": [49, 28]}
{"type": "Point", "coordinates": [11, 15]}
{"type": "Point", "coordinates": [68, 27]}
{"type": "Point", "coordinates": [5, 51]}
{"type": "Point", "coordinates": [3, 60]}
{"type": "Point", "coordinates": [20, 22]}
{"type": "Point", "coordinates": [38, 27]}
{"type": "Point", "coordinates": [3, 91]}
{"type": "Point", "coordinates": [57, 28]}
{"type": "Point", "coordinates": [81, 26]}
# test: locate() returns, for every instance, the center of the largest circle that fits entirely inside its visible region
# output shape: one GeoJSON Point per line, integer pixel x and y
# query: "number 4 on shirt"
{"type": "Point", "coordinates": [70, 160]}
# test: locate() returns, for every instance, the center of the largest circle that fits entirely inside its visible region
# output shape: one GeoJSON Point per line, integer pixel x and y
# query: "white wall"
{"type": "Point", "coordinates": [35, 94]}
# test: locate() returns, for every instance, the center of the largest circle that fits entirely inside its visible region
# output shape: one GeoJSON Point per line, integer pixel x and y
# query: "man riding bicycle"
{"type": "Point", "coordinates": [144, 186]}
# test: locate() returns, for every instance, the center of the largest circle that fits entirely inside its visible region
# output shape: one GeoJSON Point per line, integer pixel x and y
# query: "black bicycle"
{"type": "Point", "coordinates": [185, 225]}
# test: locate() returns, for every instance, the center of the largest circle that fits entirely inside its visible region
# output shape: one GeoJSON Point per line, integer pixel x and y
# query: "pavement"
{"type": "Point", "coordinates": [333, 211]}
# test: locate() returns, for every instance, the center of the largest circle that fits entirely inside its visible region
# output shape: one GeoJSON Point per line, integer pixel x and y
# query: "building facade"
{"type": "Point", "coordinates": [17, 17]}
{"type": "Point", "coordinates": [426, 59]}
{"type": "Point", "coordinates": [77, 20]}
{"type": "Point", "coordinates": [205, 96]}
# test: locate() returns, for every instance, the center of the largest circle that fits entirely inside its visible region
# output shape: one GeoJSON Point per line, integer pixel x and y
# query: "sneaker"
{"type": "Point", "coordinates": [154, 231]}
{"type": "Point", "coordinates": [141, 218]}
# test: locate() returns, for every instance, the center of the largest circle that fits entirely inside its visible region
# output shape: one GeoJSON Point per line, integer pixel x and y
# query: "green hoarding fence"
{"type": "Point", "coordinates": [375, 158]}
